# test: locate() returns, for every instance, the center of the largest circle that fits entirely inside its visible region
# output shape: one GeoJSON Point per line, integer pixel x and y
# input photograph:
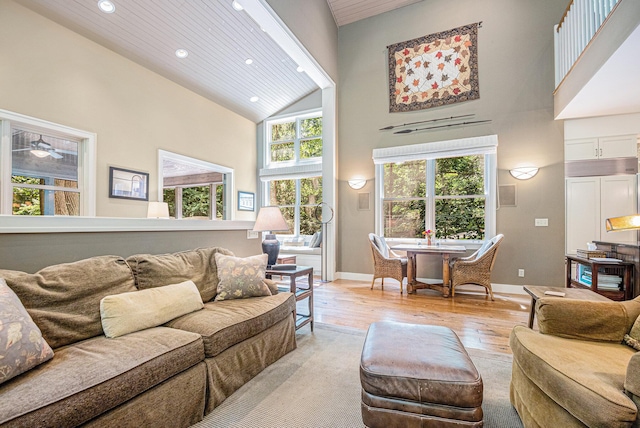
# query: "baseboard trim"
{"type": "Point", "coordinates": [497, 288]}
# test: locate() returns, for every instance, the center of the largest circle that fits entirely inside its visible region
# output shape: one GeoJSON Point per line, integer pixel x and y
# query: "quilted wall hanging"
{"type": "Point", "coordinates": [434, 70]}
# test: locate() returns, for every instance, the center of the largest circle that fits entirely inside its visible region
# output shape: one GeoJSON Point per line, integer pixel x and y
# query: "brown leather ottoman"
{"type": "Point", "coordinates": [418, 376]}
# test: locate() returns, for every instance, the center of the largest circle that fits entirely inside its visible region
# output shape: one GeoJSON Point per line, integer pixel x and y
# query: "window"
{"type": "Point", "coordinates": [292, 175]}
{"type": "Point", "coordinates": [47, 169]}
{"type": "Point", "coordinates": [448, 187]}
{"type": "Point", "coordinates": [189, 185]}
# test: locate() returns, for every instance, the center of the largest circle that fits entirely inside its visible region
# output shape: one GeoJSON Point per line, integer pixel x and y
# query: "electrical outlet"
{"type": "Point", "coordinates": [252, 235]}
{"type": "Point", "coordinates": [542, 222]}
{"type": "Point", "coordinates": [521, 273]}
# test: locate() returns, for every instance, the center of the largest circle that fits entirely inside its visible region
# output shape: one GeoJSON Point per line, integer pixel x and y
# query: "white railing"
{"type": "Point", "coordinates": [580, 22]}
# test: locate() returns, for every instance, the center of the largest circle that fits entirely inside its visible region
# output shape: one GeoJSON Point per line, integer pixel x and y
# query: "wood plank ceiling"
{"type": "Point", "coordinates": [348, 11]}
{"type": "Point", "coordinates": [219, 39]}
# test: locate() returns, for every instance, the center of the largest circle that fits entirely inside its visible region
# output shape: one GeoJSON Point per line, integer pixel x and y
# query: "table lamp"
{"type": "Point", "coordinates": [158, 210]}
{"type": "Point", "coordinates": [270, 219]}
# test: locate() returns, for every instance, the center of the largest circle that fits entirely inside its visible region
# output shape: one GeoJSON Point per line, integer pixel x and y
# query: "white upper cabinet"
{"type": "Point", "coordinates": [622, 146]}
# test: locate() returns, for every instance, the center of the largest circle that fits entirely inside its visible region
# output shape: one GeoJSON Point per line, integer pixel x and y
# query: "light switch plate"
{"type": "Point", "coordinates": [542, 222]}
{"type": "Point", "coordinates": [252, 235]}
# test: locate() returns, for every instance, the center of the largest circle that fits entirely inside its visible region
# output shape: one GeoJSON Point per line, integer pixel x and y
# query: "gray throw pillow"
{"type": "Point", "coordinates": [22, 346]}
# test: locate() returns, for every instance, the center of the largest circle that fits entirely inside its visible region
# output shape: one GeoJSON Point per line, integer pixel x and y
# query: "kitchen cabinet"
{"type": "Point", "coordinates": [590, 201]}
{"type": "Point", "coordinates": [622, 146]}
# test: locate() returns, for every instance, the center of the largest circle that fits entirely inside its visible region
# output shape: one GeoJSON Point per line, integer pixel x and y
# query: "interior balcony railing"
{"type": "Point", "coordinates": [579, 24]}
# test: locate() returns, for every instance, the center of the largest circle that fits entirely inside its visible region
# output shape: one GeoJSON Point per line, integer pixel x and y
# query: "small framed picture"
{"type": "Point", "coordinates": [128, 184]}
{"type": "Point", "coordinates": [246, 201]}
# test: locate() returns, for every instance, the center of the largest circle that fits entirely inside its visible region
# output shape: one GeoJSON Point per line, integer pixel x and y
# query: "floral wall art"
{"type": "Point", "coordinates": [434, 70]}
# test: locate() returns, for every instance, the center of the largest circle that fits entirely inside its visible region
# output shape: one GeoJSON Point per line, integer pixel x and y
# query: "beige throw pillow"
{"type": "Point", "coordinates": [21, 344]}
{"type": "Point", "coordinates": [241, 277]}
{"type": "Point", "coordinates": [128, 312]}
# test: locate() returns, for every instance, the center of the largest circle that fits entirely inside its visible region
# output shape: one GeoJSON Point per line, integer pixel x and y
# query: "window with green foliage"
{"type": "Point", "coordinates": [293, 143]}
{"type": "Point", "coordinates": [194, 202]}
{"type": "Point", "coordinates": [447, 195]}
{"type": "Point", "coordinates": [295, 139]}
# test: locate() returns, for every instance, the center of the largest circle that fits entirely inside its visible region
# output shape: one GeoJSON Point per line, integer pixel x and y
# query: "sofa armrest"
{"type": "Point", "coordinates": [583, 320]}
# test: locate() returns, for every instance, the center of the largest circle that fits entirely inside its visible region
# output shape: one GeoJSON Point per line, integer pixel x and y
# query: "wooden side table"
{"type": "Point", "coordinates": [286, 259]}
{"type": "Point", "coordinates": [537, 292]}
{"type": "Point", "coordinates": [300, 293]}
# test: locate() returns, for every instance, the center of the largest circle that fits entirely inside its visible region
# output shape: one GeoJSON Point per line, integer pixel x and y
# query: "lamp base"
{"type": "Point", "coordinates": [271, 247]}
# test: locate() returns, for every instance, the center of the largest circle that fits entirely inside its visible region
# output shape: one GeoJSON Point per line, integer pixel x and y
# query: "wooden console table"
{"type": "Point", "coordinates": [618, 268]}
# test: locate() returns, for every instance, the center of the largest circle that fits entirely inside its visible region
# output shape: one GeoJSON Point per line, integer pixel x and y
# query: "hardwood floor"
{"type": "Point", "coordinates": [479, 322]}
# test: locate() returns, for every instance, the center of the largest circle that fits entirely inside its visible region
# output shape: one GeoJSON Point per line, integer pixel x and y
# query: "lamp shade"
{"type": "Point", "coordinates": [158, 210]}
{"type": "Point", "coordinates": [270, 219]}
{"type": "Point", "coordinates": [627, 222]}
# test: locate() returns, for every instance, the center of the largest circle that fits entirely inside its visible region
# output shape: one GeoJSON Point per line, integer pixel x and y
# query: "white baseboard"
{"type": "Point", "coordinates": [497, 288]}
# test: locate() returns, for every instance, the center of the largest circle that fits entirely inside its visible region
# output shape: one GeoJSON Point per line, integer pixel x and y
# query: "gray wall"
{"type": "Point", "coordinates": [515, 54]}
{"type": "Point", "coordinates": [30, 252]}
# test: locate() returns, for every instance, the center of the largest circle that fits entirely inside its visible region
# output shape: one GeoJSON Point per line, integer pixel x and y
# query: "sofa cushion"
{"type": "Point", "coordinates": [21, 344]}
{"type": "Point", "coordinates": [128, 312]}
{"type": "Point", "coordinates": [223, 324]}
{"type": "Point", "coordinates": [575, 372]}
{"type": "Point", "coordinates": [64, 299]}
{"type": "Point", "coordinates": [197, 265]}
{"type": "Point", "coordinates": [241, 278]}
{"type": "Point", "coordinates": [91, 377]}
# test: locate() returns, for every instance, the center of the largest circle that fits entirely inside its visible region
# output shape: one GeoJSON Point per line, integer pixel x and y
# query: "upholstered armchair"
{"type": "Point", "coordinates": [476, 269]}
{"type": "Point", "coordinates": [386, 263]}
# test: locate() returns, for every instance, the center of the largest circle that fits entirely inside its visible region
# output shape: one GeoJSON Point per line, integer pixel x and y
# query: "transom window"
{"type": "Point", "coordinates": [295, 139]}
{"type": "Point", "coordinates": [428, 187]}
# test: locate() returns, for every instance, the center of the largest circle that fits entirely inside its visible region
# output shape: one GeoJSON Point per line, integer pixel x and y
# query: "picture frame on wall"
{"type": "Point", "coordinates": [246, 201]}
{"type": "Point", "coordinates": [128, 184]}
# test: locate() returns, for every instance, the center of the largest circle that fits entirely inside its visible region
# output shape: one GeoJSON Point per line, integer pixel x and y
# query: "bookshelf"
{"type": "Point", "coordinates": [612, 279]}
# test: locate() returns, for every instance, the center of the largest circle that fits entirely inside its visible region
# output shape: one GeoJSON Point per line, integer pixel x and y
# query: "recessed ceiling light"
{"type": "Point", "coordinates": [248, 61]}
{"type": "Point", "coordinates": [237, 6]}
{"type": "Point", "coordinates": [254, 99]}
{"type": "Point", "coordinates": [107, 6]}
{"type": "Point", "coordinates": [299, 69]}
{"type": "Point", "coordinates": [182, 53]}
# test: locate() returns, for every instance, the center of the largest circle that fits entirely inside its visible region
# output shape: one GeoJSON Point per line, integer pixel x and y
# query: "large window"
{"type": "Point", "coordinates": [46, 169]}
{"type": "Point", "coordinates": [293, 168]}
{"type": "Point", "coordinates": [442, 186]}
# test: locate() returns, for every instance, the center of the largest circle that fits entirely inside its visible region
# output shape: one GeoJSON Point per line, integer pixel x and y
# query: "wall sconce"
{"type": "Point", "coordinates": [357, 183]}
{"type": "Point", "coordinates": [524, 173]}
{"type": "Point", "coordinates": [158, 210]}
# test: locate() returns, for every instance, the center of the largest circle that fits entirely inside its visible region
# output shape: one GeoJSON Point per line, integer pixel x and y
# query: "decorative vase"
{"type": "Point", "coordinates": [428, 240]}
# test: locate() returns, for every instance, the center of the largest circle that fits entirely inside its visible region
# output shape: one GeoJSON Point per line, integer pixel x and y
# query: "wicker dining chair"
{"type": "Point", "coordinates": [476, 269]}
{"type": "Point", "coordinates": [386, 263]}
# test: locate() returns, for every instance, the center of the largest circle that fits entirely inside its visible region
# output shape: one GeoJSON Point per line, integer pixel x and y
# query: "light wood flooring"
{"type": "Point", "coordinates": [479, 322]}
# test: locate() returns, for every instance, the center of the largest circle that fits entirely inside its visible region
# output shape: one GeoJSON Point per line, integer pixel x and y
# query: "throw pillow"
{"type": "Point", "coordinates": [21, 344]}
{"type": "Point", "coordinates": [273, 286]}
{"type": "Point", "coordinates": [241, 278]}
{"type": "Point", "coordinates": [633, 337]}
{"type": "Point", "coordinates": [138, 310]}
{"type": "Point", "coordinates": [316, 240]}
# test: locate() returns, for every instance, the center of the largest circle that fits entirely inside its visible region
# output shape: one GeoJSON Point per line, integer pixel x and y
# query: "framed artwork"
{"type": "Point", "coordinates": [434, 70]}
{"type": "Point", "coordinates": [246, 201]}
{"type": "Point", "coordinates": [128, 184]}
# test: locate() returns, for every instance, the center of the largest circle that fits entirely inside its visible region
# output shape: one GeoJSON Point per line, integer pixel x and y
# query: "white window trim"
{"type": "Point", "coordinates": [86, 158]}
{"type": "Point", "coordinates": [486, 145]}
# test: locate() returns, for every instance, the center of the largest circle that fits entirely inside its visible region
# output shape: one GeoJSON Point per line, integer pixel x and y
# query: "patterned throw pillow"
{"type": "Point", "coordinates": [21, 344]}
{"type": "Point", "coordinates": [633, 338]}
{"type": "Point", "coordinates": [241, 277]}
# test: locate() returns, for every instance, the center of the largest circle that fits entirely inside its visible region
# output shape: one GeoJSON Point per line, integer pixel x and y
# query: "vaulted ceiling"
{"type": "Point", "coordinates": [230, 59]}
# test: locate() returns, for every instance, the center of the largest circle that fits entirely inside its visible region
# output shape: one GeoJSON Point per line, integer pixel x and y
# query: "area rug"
{"type": "Point", "coordinates": [318, 385]}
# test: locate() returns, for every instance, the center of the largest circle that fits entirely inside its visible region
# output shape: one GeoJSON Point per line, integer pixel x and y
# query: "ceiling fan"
{"type": "Point", "coordinates": [42, 149]}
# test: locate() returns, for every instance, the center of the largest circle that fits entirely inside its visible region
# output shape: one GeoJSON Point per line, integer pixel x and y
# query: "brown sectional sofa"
{"type": "Point", "coordinates": [576, 371]}
{"type": "Point", "coordinates": [171, 375]}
